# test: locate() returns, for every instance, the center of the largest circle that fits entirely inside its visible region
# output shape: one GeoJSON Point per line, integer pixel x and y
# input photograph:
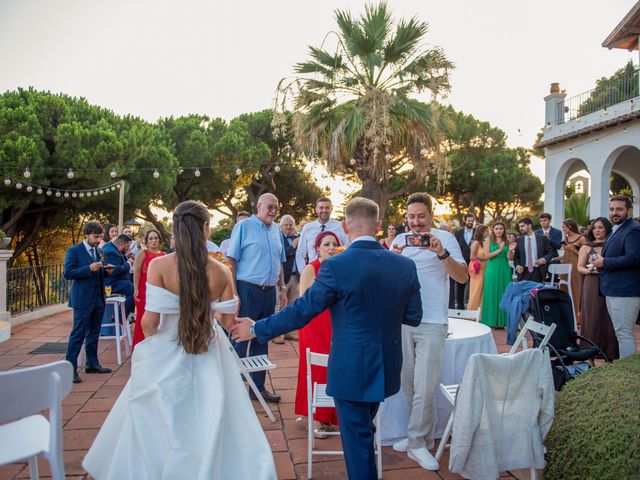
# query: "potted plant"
{"type": "Point", "coordinates": [4, 240]}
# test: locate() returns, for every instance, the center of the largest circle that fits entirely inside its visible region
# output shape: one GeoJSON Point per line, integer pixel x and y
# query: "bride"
{"type": "Point", "coordinates": [184, 414]}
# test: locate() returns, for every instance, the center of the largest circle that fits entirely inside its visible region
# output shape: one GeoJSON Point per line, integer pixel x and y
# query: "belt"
{"type": "Point", "coordinates": [264, 288]}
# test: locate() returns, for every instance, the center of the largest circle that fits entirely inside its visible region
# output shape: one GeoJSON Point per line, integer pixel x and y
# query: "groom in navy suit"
{"type": "Point", "coordinates": [367, 313]}
{"type": "Point", "coordinates": [83, 265]}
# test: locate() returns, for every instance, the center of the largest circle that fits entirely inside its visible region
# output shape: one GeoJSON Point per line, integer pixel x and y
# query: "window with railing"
{"type": "Point", "coordinates": [29, 288]}
{"type": "Point", "coordinates": [606, 94]}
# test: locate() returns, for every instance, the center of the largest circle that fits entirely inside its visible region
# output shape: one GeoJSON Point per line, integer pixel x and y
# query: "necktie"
{"type": "Point", "coordinates": [93, 254]}
{"type": "Point", "coordinates": [529, 255]}
{"type": "Point", "coordinates": [322, 227]}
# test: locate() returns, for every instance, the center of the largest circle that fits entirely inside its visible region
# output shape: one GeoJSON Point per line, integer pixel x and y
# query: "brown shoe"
{"type": "Point", "coordinates": [293, 336]}
{"type": "Point", "coordinates": [279, 340]}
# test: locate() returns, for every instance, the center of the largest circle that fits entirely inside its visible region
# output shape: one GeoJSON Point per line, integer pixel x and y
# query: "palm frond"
{"type": "Point", "coordinates": [405, 40]}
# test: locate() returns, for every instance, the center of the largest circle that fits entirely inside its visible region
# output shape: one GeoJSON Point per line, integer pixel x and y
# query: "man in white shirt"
{"type": "Point", "coordinates": [423, 346]}
{"type": "Point", "coordinates": [306, 245]}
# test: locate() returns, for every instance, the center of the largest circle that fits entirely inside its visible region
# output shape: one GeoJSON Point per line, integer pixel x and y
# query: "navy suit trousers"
{"type": "Point", "coordinates": [86, 328]}
{"type": "Point", "coordinates": [357, 431]}
{"type": "Point", "coordinates": [255, 303]}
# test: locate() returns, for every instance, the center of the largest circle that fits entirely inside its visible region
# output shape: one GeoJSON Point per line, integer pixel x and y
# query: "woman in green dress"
{"type": "Point", "coordinates": [496, 278]}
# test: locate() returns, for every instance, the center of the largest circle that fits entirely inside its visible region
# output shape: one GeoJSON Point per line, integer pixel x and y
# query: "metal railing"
{"type": "Point", "coordinates": [29, 288]}
{"type": "Point", "coordinates": [603, 96]}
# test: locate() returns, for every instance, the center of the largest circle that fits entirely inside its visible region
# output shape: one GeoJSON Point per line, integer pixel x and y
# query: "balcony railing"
{"type": "Point", "coordinates": [29, 288]}
{"type": "Point", "coordinates": [603, 96]}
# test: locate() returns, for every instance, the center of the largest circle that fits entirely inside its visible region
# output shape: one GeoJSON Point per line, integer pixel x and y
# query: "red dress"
{"type": "Point", "coordinates": [138, 336]}
{"type": "Point", "coordinates": [316, 336]}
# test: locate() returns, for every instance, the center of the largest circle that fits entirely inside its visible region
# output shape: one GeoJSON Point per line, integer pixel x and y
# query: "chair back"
{"type": "Point", "coordinates": [30, 390]}
{"type": "Point", "coordinates": [319, 359]}
{"type": "Point", "coordinates": [543, 332]}
{"type": "Point", "coordinates": [552, 306]}
{"type": "Point", "coordinates": [560, 269]}
{"type": "Point", "coordinates": [465, 314]}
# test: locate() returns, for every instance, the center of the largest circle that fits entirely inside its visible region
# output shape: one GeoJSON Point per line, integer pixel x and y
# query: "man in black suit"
{"type": "Point", "coordinates": [464, 236]}
{"type": "Point", "coordinates": [553, 234]}
{"type": "Point", "coordinates": [532, 254]}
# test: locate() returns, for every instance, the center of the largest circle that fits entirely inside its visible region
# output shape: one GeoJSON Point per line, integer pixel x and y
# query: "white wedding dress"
{"type": "Point", "coordinates": [181, 416]}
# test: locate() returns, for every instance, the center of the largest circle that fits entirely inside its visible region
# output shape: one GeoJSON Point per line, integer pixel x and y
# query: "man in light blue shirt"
{"type": "Point", "coordinates": [256, 254]}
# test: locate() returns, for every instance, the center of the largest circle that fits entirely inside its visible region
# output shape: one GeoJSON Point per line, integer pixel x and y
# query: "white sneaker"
{"type": "Point", "coordinates": [401, 445]}
{"type": "Point", "coordinates": [424, 458]}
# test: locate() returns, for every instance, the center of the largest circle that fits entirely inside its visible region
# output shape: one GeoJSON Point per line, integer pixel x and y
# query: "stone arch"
{"type": "Point", "coordinates": [625, 161]}
{"type": "Point", "coordinates": [567, 169]}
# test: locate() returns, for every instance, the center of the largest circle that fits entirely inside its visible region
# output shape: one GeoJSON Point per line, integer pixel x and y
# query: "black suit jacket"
{"type": "Point", "coordinates": [543, 248]}
{"type": "Point", "coordinates": [465, 247]}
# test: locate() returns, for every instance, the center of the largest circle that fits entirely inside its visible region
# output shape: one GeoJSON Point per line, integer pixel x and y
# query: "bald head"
{"type": "Point", "coordinates": [267, 208]}
{"type": "Point", "coordinates": [361, 218]}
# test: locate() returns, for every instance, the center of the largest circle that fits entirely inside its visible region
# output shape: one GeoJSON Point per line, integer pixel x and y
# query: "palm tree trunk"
{"type": "Point", "coordinates": [377, 192]}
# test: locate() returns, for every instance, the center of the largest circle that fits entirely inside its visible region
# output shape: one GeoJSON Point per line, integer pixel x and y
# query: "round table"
{"type": "Point", "coordinates": [465, 338]}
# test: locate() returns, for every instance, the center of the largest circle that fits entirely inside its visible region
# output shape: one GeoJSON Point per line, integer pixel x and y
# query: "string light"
{"type": "Point", "coordinates": [352, 161]}
{"type": "Point", "coordinates": [473, 174]}
{"type": "Point", "coordinates": [49, 192]}
{"type": "Point", "coordinates": [495, 170]}
{"type": "Point", "coordinates": [156, 173]}
{"type": "Point", "coordinates": [197, 172]}
{"type": "Point", "coordinates": [238, 171]}
{"type": "Point", "coordinates": [39, 191]}
{"type": "Point", "coordinates": [277, 168]}
{"type": "Point", "coordinates": [74, 194]}
{"type": "Point", "coordinates": [7, 181]}
{"type": "Point", "coordinates": [58, 194]}
{"type": "Point", "coordinates": [18, 185]}
{"type": "Point", "coordinates": [70, 174]}
{"type": "Point", "coordinates": [26, 173]}
{"type": "Point", "coordinates": [66, 194]}
{"type": "Point", "coordinates": [29, 188]}
{"type": "Point", "coordinates": [113, 173]}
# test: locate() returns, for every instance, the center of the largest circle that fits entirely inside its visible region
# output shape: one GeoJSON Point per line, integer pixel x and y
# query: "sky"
{"type": "Point", "coordinates": [156, 58]}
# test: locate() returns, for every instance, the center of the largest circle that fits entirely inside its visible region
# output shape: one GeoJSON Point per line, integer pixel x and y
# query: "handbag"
{"type": "Point", "coordinates": [474, 267]}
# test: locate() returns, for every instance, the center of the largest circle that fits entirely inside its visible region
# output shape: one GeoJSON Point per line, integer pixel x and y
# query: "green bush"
{"type": "Point", "coordinates": [219, 234]}
{"type": "Point", "coordinates": [596, 430]}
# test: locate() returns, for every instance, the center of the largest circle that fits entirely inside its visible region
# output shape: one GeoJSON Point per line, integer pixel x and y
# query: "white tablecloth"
{"type": "Point", "coordinates": [465, 338]}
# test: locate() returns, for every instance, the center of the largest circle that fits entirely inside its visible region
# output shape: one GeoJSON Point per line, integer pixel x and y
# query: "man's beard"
{"type": "Point", "coordinates": [619, 221]}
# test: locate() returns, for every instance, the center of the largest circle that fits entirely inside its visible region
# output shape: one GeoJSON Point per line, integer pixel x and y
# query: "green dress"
{"type": "Point", "coordinates": [496, 279]}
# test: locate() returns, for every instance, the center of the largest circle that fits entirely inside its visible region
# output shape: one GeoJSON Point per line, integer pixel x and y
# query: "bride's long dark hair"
{"type": "Point", "coordinates": [195, 329]}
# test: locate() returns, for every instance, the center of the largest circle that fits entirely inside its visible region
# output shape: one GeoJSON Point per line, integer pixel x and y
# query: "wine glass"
{"type": "Point", "coordinates": [107, 290]}
{"type": "Point", "coordinates": [592, 259]}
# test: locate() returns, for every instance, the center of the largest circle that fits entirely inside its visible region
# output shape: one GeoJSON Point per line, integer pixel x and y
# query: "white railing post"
{"type": "Point", "coordinates": [5, 256]}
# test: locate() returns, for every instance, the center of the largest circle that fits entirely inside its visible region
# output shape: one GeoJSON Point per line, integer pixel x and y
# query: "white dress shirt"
{"type": "Point", "coordinates": [534, 249]}
{"type": "Point", "coordinates": [307, 242]}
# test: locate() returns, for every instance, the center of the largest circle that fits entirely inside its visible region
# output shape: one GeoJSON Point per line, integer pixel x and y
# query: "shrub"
{"type": "Point", "coordinates": [596, 430]}
{"type": "Point", "coordinates": [219, 234]}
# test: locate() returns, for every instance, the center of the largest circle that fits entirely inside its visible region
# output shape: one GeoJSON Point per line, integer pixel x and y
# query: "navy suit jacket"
{"type": "Point", "coordinates": [555, 239]}
{"type": "Point", "coordinates": [120, 277]}
{"type": "Point", "coordinates": [367, 313]}
{"type": "Point", "coordinates": [620, 275]}
{"type": "Point", "coordinates": [87, 287]}
{"type": "Point", "coordinates": [543, 248]}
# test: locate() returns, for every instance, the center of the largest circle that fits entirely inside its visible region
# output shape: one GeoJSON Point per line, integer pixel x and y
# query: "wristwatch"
{"type": "Point", "coordinates": [252, 330]}
{"type": "Point", "coordinates": [445, 255]}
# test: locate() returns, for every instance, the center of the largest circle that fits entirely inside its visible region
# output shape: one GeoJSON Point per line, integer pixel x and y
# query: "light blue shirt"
{"type": "Point", "coordinates": [258, 250]}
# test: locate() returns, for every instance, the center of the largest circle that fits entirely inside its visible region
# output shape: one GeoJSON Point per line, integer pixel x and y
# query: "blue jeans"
{"type": "Point", "coordinates": [256, 304]}
{"type": "Point", "coordinates": [86, 328]}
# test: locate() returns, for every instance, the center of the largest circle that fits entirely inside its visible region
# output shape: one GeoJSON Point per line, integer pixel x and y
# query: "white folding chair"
{"type": "Point", "coordinates": [563, 269]}
{"type": "Point", "coordinates": [450, 391]}
{"type": "Point", "coordinates": [23, 395]}
{"type": "Point", "coordinates": [317, 398]}
{"type": "Point", "coordinates": [120, 324]}
{"type": "Point", "coordinates": [248, 365]}
{"type": "Point", "coordinates": [465, 314]}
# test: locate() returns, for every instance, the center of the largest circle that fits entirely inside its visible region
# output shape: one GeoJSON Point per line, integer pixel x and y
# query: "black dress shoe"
{"type": "Point", "coordinates": [267, 395]}
{"type": "Point", "coordinates": [76, 377]}
{"type": "Point", "coordinates": [96, 369]}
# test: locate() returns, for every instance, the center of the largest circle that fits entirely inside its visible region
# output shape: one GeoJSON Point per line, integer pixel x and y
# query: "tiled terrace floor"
{"type": "Point", "coordinates": [86, 408]}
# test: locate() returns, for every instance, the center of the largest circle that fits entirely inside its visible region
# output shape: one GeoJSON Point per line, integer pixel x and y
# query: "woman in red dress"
{"type": "Point", "coordinates": [316, 336]}
{"type": "Point", "coordinates": [140, 267]}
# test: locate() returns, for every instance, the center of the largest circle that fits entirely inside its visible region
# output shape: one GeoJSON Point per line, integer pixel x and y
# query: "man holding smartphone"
{"type": "Point", "coordinates": [437, 256]}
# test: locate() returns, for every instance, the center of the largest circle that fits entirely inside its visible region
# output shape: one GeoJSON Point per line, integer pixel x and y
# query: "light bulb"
{"type": "Point", "coordinates": [26, 173]}
{"type": "Point", "coordinates": [473, 174]}
{"type": "Point", "coordinates": [18, 185]}
{"type": "Point", "coordinates": [277, 168]}
{"type": "Point", "coordinates": [70, 174]}
{"type": "Point", "coordinates": [49, 192]}
{"type": "Point", "coordinates": [519, 165]}
{"type": "Point", "coordinates": [7, 181]}
{"type": "Point", "coordinates": [495, 170]}
{"type": "Point", "coordinates": [352, 161]}
{"type": "Point", "coordinates": [88, 194]}
{"type": "Point", "coordinates": [101, 192]}
{"type": "Point", "coordinates": [74, 194]}
{"type": "Point", "coordinates": [238, 171]}
{"type": "Point", "coordinates": [29, 188]}
{"type": "Point", "coordinates": [156, 173]}
{"type": "Point", "coordinates": [197, 172]}
{"type": "Point", "coordinates": [113, 173]}
{"type": "Point", "coordinates": [58, 194]}
{"type": "Point", "coordinates": [113, 189]}
{"type": "Point", "coordinates": [180, 171]}
{"type": "Point", "coordinates": [117, 185]}
{"type": "Point", "coordinates": [39, 191]}
{"type": "Point", "coordinates": [81, 194]}
{"type": "Point", "coordinates": [66, 194]}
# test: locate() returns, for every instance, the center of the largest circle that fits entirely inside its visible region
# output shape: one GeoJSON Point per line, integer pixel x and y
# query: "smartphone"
{"type": "Point", "coordinates": [108, 265]}
{"type": "Point", "coordinates": [418, 240]}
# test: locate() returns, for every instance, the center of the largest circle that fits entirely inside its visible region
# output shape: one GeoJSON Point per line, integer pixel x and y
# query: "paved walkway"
{"type": "Point", "coordinates": [86, 408]}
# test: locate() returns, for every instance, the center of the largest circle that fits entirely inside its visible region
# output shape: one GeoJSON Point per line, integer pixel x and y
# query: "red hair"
{"type": "Point", "coordinates": [324, 234]}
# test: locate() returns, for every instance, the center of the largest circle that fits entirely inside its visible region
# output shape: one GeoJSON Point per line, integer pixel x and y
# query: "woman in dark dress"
{"type": "Point", "coordinates": [596, 324]}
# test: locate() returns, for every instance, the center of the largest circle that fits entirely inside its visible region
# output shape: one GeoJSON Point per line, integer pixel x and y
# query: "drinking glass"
{"type": "Point", "coordinates": [107, 290]}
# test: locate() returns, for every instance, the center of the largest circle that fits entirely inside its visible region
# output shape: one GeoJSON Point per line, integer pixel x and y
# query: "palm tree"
{"type": "Point", "coordinates": [354, 108]}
